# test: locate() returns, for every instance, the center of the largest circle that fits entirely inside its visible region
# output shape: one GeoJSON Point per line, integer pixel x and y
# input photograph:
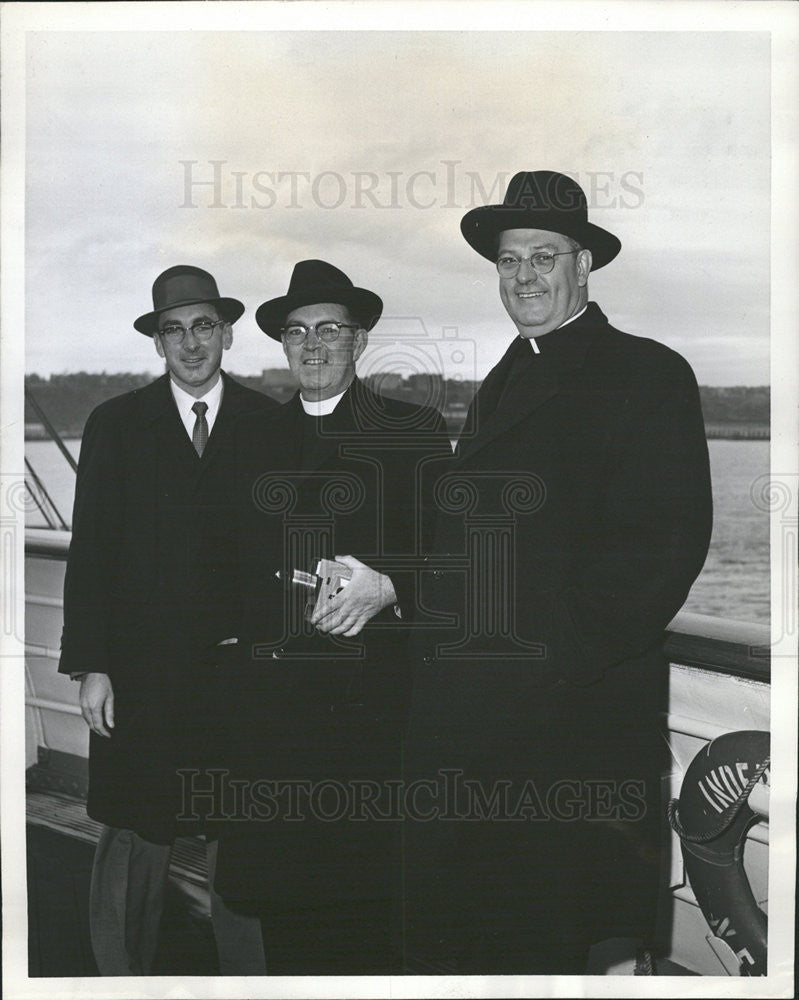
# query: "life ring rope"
{"type": "Point", "coordinates": [673, 811]}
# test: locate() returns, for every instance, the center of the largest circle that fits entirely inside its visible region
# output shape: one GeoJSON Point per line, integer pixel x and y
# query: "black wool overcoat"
{"type": "Point", "coordinates": [149, 586]}
{"type": "Point", "coordinates": [574, 519]}
{"type": "Point", "coordinates": [318, 712]}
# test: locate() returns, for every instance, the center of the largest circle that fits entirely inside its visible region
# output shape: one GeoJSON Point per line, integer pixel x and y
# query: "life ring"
{"type": "Point", "coordinates": [712, 818]}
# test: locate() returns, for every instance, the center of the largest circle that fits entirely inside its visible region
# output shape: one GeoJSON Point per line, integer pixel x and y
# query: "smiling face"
{"type": "Point", "coordinates": [321, 369]}
{"type": "Point", "coordinates": [193, 364]}
{"type": "Point", "coordinates": [538, 303]}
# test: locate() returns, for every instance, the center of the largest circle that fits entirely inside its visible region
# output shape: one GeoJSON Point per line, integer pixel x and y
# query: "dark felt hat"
{"type": "Point", "coordinates": [312, 282]}
{"type": "Point", "coordinates": [184, 285]}
{"type": "Point", "coordinates": [540, 199]}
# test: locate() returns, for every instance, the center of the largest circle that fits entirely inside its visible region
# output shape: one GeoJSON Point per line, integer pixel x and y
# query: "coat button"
{"type": "Point", "coordinates": [277, 653]}
{"type": "Point", "coordinates": [427, 660]}
{"type": "Point", "coordinates": [437, 574]}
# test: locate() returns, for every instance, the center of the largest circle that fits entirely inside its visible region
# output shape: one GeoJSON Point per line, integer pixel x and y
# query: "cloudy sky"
{"type": "Point", "coordinates": [244, 152]}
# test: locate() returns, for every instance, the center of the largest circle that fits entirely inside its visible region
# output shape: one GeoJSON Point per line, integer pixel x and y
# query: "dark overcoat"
{"type": "Point", "coordinates": [316, 711]}
{"type": "Point", "coordinates": [148, 587]}
{"type": "Point", "coordinates": [574, 520]}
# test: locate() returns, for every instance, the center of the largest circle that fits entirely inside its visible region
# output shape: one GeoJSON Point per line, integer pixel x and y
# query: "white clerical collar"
{"type": "Point", "coordinates": [566, 322]}
{"type": "Point", "coordinates": [184, 402]}
{"type": "Point", "coordinates": [321, 407]}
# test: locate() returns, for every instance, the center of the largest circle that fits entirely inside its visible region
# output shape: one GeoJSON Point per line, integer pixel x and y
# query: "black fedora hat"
{"type": "Point", "coordinates": [312, 282]}
{"type": "Point", "coordinates": [540, 199]}
{"type": "Point", "coordinates": [184, 285]}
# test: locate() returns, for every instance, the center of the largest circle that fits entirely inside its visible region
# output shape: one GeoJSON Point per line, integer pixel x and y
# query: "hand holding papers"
{"type": "Point", "coordinates": [349, 603]}
{"type": "Point", "coordinates": [328, 580]}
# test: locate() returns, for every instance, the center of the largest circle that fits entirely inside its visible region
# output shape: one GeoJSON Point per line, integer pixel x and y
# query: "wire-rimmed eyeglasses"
{"type": "Point", "coordinates": [542, 262]}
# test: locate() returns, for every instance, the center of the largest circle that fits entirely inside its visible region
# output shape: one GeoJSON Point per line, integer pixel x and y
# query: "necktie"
{"type": "Point", "coordinates": [199, 436]}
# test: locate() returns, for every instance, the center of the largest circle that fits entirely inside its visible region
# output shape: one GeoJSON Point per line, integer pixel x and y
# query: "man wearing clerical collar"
{"type": "Point", "coordinates": [579, 497]}
{"type": "Point", "coordinates": [322, 343]}
{"type": "Point", "coordinates": [339, 473]}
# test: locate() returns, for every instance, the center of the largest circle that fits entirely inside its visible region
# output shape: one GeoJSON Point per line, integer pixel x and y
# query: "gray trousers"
{"type": "Point", "coordinates": [126, 900]}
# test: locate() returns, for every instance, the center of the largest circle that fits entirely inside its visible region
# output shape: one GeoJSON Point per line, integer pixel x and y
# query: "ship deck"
{"type": "Point", "coordinates": [59, 861]}
{"type": "Point", "coordinates": [719, 681]}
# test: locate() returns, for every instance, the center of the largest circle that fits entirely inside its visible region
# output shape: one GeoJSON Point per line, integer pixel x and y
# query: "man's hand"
{"type": "Point", "coordinates": [367, 593]}
{"type": "Point", "coordinates": [97, 703]}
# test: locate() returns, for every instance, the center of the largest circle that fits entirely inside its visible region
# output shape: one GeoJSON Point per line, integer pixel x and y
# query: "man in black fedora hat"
{"type": "Point", "coordinates": [587, 518]}
{"type": "Point", "coordinates": [338, 473]}
{"type": "Point", "coordinates": [149, 585]}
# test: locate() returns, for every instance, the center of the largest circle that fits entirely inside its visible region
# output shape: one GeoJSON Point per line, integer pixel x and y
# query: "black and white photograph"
{"type": "Point", "coordinates": [398, 499]}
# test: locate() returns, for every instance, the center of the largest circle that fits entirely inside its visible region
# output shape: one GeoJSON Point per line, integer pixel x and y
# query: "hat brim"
{"type": "Point", "coordinates": [482, 226]}
{"type": "Point", "coordinates": [229, 309]}
{"type": "Point", "coordinates": [365, 306]}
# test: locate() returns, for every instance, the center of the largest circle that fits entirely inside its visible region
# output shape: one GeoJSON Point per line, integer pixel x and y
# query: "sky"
{"type": "Point", "coordinates": [244, 152]}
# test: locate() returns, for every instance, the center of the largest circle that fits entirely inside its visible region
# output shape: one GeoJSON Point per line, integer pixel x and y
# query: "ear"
{"type": "Point", "coordinates": [283, 345]}
{"type": "Point", "coordinates": [159, 345]}
{"type": "Point", "coordinates": [227, 336]}
{"type": "Point", "coordinates": [360, 341]}
{"type": "Point", "coordinates": [584, 261]}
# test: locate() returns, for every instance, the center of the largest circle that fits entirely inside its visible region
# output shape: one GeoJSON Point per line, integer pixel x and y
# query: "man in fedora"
{"type": "Point", "coordinates": [587, 519]}
{"type": "Point", "coordinates": [334, 474]}
{"type": "Point", "coordinates": [149, 585]}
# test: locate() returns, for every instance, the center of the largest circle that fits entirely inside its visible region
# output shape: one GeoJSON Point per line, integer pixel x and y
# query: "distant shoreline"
{"type": "Point", "coordinates": [735, 413]}
{"type": "Point", "coordinates": [738, 432]}
{"type": "Point", "coordinates": [713, 432]}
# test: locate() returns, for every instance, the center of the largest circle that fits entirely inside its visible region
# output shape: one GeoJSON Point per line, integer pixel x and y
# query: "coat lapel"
{"type": "Point", "coordinates": [530, 384]}
{"type": "Point", "coordinates": [155, 400]}
{"type": "Point", "coordinates": [234, 401]}
{"type": "Point", "coordinates": [533, 379]}
{"type": "Point", "coordinates": [158, 416]}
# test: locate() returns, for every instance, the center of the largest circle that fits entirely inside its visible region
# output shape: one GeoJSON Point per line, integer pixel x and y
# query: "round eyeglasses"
{"type": "Point", "coordinates": [201, 330]}
{"type": "Point", "coordinates": [327, 331]}
{"type": "Point", "coordinates": [542, 262]}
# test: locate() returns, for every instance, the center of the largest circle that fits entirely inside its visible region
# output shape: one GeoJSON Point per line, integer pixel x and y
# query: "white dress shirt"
{"type": "Point", "coordinates": [184, 402]}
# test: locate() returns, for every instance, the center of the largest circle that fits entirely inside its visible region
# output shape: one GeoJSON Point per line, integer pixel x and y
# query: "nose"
{"type": "Point", "coordinates": [312, 340]}
{"type": "Point", "coordinates": [526, 272]}
{"type": "Point", "coordinates": [190, 341]}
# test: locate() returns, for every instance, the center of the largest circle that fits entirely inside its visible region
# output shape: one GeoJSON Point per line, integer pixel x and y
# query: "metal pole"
{"type": "Point", "coordinates": [50, 429]}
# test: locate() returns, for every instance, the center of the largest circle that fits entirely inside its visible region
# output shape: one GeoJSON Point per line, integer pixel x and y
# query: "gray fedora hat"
{"type": "Point", "coordinates": [185, 285]}
{"type": "Point", "coordinates": [540, 199]}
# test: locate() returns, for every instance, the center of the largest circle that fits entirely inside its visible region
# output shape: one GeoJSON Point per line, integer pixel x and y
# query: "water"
{"type": "Point", "coordinates": [733, 584]}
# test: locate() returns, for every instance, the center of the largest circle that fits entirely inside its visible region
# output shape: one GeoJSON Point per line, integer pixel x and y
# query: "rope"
{"type": "Point", "coordinates": [673, 814]}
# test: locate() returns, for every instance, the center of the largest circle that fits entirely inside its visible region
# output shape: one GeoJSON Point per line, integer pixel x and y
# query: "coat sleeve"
{"type": "Point", "coordinates": [432, 457]}
{"type": "Point", "coordinates": [93, 551]}
{"type": "Point", "coordinates": [653, 532]}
